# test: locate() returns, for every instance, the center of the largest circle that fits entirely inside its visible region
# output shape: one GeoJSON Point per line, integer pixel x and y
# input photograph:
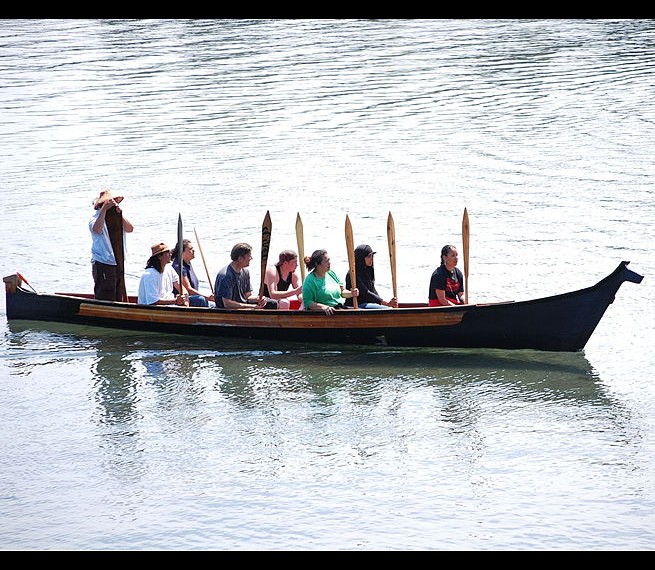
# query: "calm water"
{"type": "Point", "coordinates": [542, 129]}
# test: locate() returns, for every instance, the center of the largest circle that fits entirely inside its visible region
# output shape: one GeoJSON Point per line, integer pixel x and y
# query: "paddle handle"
{"type": "Point", "coordinates": [211, 285]}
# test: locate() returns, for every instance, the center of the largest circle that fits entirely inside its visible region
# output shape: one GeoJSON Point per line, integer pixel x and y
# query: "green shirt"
{"type": "Point", "coordinates": [325, 290]}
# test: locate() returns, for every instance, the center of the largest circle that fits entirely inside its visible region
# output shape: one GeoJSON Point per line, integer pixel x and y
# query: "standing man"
{"type": "Point", "coordinates": [108, 248]}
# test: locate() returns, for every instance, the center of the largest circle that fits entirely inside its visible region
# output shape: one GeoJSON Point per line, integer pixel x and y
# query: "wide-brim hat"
{"type": "Point", "coordinates": [106, 195]}
{"type": "Point", "coordinates": [159, 248]}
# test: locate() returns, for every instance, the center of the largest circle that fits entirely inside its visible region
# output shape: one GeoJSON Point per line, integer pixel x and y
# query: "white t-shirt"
{"type": "Point", "coordinates": [154, 285]}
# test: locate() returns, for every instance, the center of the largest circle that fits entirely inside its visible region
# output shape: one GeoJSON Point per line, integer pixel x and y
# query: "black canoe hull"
{"type": "Point", "coordinates": [562, 322]}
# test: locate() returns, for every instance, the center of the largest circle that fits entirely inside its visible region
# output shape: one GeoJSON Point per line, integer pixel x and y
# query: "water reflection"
{"type": "Point", "coordinates": [177, 385]}
{"type": "Point", "coordinates": [250, 371]}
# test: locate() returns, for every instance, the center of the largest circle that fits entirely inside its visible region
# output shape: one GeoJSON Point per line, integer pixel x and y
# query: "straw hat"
{"type": "Point", "coordinates": [159, 248]}
{"type": "Point", "coordinates": [105, 196]}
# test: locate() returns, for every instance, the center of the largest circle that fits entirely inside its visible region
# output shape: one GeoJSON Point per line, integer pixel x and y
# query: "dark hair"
{"type": "Point", "coordinates": [315, 259]}
{"type": "Point", "coordinates": [361, 252]}
{"type": "Point", "coordinates": [155, 261]}
{"type": "Point", "coordinates": [185, 245]}
{"type": "Point", "coordinates": [240, 249]}
{"type": "Point", "coordinates": [445, 250]}
{"type": "Point", "coordinates": [286, 255]}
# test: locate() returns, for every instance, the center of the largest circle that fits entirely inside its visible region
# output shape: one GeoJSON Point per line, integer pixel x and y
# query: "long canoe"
{"type": "Point", "coordinates": [562, 322]}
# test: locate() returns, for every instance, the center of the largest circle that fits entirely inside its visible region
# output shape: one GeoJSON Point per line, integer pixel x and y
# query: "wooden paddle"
{"type": "Point", "coordinates": [211, 285]}
{"type": "Point", "coordinates": [350, 247]}
{"type": "Point", "coordinates": [114, 222]}
{"type": "Point", "coordinates": [391, 238]}
{"type": "Point", "coordinates": [465, 240]}
{"type": "Point", "coordinates": [266, 243]}
{"type": "Point", "coordinates": [180, 249]}
{"type": "Point", "coordinates": [300, 238]}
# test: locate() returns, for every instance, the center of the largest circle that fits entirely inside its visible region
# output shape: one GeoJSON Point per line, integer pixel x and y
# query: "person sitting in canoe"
{"type": "Point", "coordinates": [282, 283]}
{"type": "Point", "coordinates": [159, 280]}
{"type": "Point", "coordinates": [322, 289]}
{"type": "Point", "coordinates": [232, 288]}
{"type": "Point", "coordinates": [447, 281]}
{"type": "Point", "coordinates": [365, 275]}
{"type": "Point", "coordinates": [189, 277]}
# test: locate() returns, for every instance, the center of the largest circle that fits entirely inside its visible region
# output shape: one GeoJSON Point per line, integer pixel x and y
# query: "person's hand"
{"type": "Point", "coordinates": [355, 292]}
{"type": "Point", "coordinates": [328, 310]}
{"type": "Point", "coordinates": [182, 300]}
{"type": "Point", "coordinates": [393, 303]}
{"type": "Point", "coordinates": [261, 302]}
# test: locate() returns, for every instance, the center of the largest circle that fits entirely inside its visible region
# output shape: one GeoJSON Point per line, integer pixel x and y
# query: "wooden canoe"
{"type": "Point", "coordinates": [562, 322]}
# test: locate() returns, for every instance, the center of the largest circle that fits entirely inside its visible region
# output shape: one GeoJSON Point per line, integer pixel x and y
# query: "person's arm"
{"type": "Point", "coordinates": [349, 293]}
{"type": "Point", "coordinates": [182, 297]}
{"type": "Point", "coordinates": [460, 293]}
{"type": "Point", "coordinates": [441, 296]}
{"type": "Point", "coordinates": [99, 224]}
{"type": "Point", "coordinates": [255, 299]}
{"type": "Point", "coordinates": [296, 284]}
{"type": "Point", "coordinates": [365, 291]}
{"type": "Point", "coordinates": [127, 226]}
{"type": "Point", "coordinates": [252, 302]}
{"type": "Point", "coordinates": [231, 304]}
{"type": "Point", "coordinates": [270, 279]}
{"type": "Point", "coordinates": [316, 306]}
{"type": "Point", "coordinates": [189, 289]}
{"type": "Point", "coordinates": [179, 300]}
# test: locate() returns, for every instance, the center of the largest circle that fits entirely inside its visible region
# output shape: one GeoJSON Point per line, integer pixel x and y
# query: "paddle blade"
{"type": "Point", "coordinates": [300, 238]}
{"type": "Point", "coordinates": [180, 249]}
{"type": "Point", "coordinates": [350, 248]}
{"type": "Point", "coordinates": [267, 227]}
{"type": "Point", "coordinates": [391, 239]}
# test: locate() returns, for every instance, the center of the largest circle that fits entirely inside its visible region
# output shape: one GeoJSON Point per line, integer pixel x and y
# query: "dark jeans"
{"type": "Point", "coordinates": [109, 282]}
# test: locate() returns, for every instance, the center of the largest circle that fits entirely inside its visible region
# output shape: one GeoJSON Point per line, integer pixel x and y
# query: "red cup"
{"type": "Point", "coordinates": [294, 305]}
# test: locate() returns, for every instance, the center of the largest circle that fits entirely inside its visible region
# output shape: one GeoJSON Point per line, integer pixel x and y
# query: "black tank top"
{"type": "Point", "coordinates": [282, 284]}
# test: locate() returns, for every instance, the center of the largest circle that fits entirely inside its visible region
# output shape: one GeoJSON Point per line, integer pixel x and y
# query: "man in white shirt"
{"type": "Point", "coordinates": [159, 280]}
